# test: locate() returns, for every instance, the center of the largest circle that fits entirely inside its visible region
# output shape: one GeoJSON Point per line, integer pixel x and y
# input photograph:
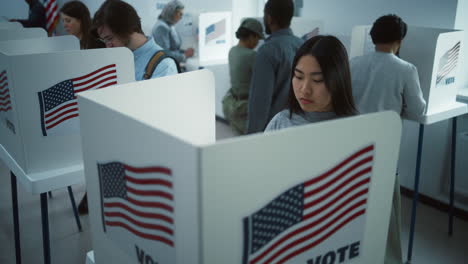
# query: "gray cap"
{"type": "Point", "coordinates": [253, 25]}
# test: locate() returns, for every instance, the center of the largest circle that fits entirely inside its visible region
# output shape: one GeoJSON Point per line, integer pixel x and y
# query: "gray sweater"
{"type": "Point", "coordinates": [382, 81]}
{"type": "Point", "coordinates": [282, 120]}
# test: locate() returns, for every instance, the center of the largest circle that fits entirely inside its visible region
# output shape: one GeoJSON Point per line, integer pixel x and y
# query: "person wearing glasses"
{"type": "Point", "coordinates": [165, 34]}
{"type": "Point", "coordinates": [117, 24]}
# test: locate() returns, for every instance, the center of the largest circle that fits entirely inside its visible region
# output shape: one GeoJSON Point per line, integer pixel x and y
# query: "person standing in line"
{"type": "Point", "coordinates": [270, 78]}
{"type": "Point", "coordinates": [117, 24]}
{"type": "Point", "coordinates": [37, 15]}
{"type": "Point", "coordinates": [382, 81]}
{"type": "Point", "coordinates": [241, 60]}
{"type": "Point", "coordinates": [165, 34]}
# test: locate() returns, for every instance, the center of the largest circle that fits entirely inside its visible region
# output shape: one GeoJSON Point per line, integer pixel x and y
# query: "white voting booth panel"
{"type": "Point", "coordinates": [361, 41]}
{"type": "Point", "coordinates": [43, 133]}
{"type": "Point", "coordinates": [436, 54]}
{"type": "Point", "coordinates": [39, 45]}
{"type": "Point", "coordinates": [22, 47]}
{"type": "Point", "coordinates": [161, 190]}
{"type": "Point", "coordinates": [10, 25]}
{"type": "Point", "coordinates": [22, 33]}
{"type": "Point", "coordinates": [215, 37]}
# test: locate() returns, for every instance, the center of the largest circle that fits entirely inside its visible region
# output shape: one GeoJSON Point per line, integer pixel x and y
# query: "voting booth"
{"type": "Point", "coordinates": [39, 132]}
{"type": "Point", "coordinates": [161, 190]}
{"type": "Point", "coordinates": [436, 54]}
{"type": "Point", "coordinates": [22, 33]}
{"type": "Point", "coordinates": [215, 37]}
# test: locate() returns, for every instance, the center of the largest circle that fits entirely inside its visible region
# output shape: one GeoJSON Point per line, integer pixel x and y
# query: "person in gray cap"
{"type": "Point", "coordinates": [165, 34]}
{"type": "Point", "coordinates": [241, 60]}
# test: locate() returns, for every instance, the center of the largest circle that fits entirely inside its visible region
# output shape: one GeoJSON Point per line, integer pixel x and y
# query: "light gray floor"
{"type": "Point", "coordinates": [432, 245]}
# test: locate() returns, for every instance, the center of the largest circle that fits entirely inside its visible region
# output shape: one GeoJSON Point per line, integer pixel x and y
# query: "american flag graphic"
{"type": "Point", "coordinates": [448, 62]}
{"type": "Point", "coordinates": [5, 100]}
{"type": "Point", "coordinates": [215, 30]}
{"type": "Point", "coordinates": [52, 14]}
{"type": "Point", "coordinates": [139, 200]}
{"type": "Point", "coordinates": [308, 214]}
{"type": "Point", "coordinates": [58, 103]}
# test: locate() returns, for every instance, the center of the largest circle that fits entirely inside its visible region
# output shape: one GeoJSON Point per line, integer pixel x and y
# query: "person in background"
{"type": "Point", "coordinates": [320, 86]}
{"type": "Point", "coordinates": [117, 24]}
{"type": "Point", "coordinates": [165, 34]}
{"type": "Point", "coordinates": [270, 78]}
{"type": "Point", "coordinates": [382, 81]}
{"type": "Point", "coordinates": [241, 60]}
{"type": "Point", "coordinates": [37, 15]}
{"type": "Point", "coordinates": [77, 22]}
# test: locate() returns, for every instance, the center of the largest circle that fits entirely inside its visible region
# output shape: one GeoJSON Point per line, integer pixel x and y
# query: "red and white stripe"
{"type": "Point", "coordinates": [332, 200]}
{"type": "Point", "coordinates": [103, 77]}
{"type": "Point", "coordinates": [5, 100]}
{"type": "Point", "coordinates": [52, 14]}
{"type": "Point", "coordinates": [148, 211]}
{"type": "Point", "coordinates": [450, 61]}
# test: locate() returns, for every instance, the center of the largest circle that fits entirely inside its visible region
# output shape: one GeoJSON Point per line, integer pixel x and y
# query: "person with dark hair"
{"type": "Point", "coordinates": [320, 87]}
{"type": "Point", "coordinates": [165, 34]}
{"type": "Point", "coordinates": [77, 22]}
{"type": "Point", "coordinates": [241, 60]}
{"type": "Point", "coordinates": [270, 78]}
{"type": "Point", "coordinates": [37, 15]}
{"type": "Point", "coordinates": [382, 81]}
{"type": "Point", "coordinates": [117, 24]}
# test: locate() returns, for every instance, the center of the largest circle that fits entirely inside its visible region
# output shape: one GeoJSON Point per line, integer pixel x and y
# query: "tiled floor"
{"type": "Point", "coordinates": [432, 245]}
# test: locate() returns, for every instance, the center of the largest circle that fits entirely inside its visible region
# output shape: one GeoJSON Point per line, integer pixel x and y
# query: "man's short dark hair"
{"type": "Point", "coordinates": [281, 11]}
{"type": "Point", "coordinates": [388, 29]}
{"type": "Point", "coordinates": [119, 16]}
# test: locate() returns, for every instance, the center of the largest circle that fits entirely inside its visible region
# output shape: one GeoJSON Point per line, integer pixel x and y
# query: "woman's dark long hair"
{"type": "Point", "coordinates": [333, 60]}
{"type": "Point", "coordinates": [78, 10]}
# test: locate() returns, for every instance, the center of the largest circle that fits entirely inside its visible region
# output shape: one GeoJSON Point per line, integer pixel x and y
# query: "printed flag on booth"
{"type": "Point", "coordinates": [58, 104]}
{"type": "Point", "coordinates": [448, 65]}
{"type": "Point", "coordinates": [138, 207]}
{"type": "Point", "coordinates": [52, 15]}
{"type": "Point", "coordinates": [5, 100]}
{"type": "Point", "coordinates": [215, 31]}
{"type": "Point", "coordinates": [313, 217]}
{"type": "Point", "coordinates": [6, 108]}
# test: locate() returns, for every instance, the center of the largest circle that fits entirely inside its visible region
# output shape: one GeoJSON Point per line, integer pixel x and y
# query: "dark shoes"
{"type": "Point", "coordinates": [83, 206]}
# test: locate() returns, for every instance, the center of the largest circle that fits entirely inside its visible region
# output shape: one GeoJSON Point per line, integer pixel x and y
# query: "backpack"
{"type": "Point", "coordinates": [154, 62]}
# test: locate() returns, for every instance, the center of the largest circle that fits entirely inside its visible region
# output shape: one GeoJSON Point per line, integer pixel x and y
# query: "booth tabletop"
{"type": "Point", "coordinates": [450, 111]}
{"type": "Point", "coordinates": [41, 182]}
{"type": "Point", "coordinates": [462, 95]}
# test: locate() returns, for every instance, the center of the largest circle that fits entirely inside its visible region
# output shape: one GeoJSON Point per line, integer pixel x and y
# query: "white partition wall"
{"type": "Point", "coordinates": [215, 37]}
{"type": "Point", "coordinates": [39, 45]}
{"type": "Point", "coordinates": [42, 127]}
{"type": "Point", "coordinates": [361, 41]}
{"type": "Point", "coordinates": [22, 33]}
{"type": "Point", "coordinates": [436, 55]}
{"type": "Point", "coordinates": [10, 25]}
{"type": "Point", "coordinates": [161, 190]}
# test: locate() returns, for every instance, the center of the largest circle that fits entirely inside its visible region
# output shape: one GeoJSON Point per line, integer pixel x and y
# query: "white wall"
{"type": "Point", "coordinates": [13, 9]}
{"type": "Point", "coordinates": [341, 15]}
